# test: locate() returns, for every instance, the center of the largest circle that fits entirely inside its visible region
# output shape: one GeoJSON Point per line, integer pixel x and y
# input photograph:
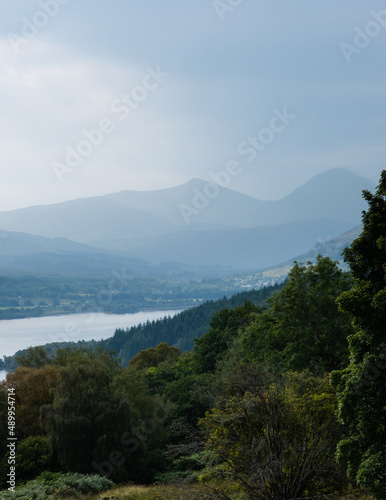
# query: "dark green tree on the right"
{"type": "Point", "coordinates": [362, 385]}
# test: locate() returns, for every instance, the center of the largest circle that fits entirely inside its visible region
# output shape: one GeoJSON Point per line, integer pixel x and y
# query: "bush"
{"type": "Point", "coordinates": [33, 456]}
{"type": "Point", "coordinates": [56, 485]}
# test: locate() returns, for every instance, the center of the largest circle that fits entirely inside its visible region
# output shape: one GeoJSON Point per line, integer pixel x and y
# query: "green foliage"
{"type": "Point", "coordinates": [33, 456]}
{"type": "Point", "coordinates": [178, 331]}
{"type": "Point", "coordinates": [362, 386]}
{"type": "Point", "coordinates": [275, 440]}
{"type": "Point", "coordinates": [162, 356]}
{"type": "Point", "coordinates": [225, 325]}
{"type": "Point", "coordinates": [181, 330]}
{"type": "Point", "coordinates": [140, 418]}
{"type": "Point", "coordinates": [303, 328]}
{"type": "Point", "coordinates": [193, 395]}
{"type": "Point", "coordinates": [184, 469]}
{"type": "Point", "coordinates": [82, 410]}
{"type": "Point", "coordinates": [32, 390]}
{"type": "Point", "coordinates": [271, 433]}
{"type": "Point", "coordinates": [58, 485]}
{"type": "Point", "coordinates": [35, 357]}
{"type": "Point", "coordinates": [194, 382]}
{"type": "Point", "coordinates": [103, 418]}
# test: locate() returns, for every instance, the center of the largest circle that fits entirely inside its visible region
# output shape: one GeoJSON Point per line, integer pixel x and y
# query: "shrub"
{"type": "Point", "coordinates": [56, 485]}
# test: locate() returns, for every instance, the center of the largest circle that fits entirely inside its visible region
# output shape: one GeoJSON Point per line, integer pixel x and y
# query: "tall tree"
{"type": "Point", "coordinates": [362, 386]}
{"type": "Point", "coordinates": [103, 419]}
{"type": "Point", "coordinates": [225, 325]}
{"type": "Point", "coordinates": [303, 328]}
{"type": "Point", "coordinates": [82, 414]}
{"type": "Point", "coordinates": [275, 440]}
{"type": "Point", "coordinates": [161, 356]}
{"type": "Point", "coordinates": [35, 357]}
{"type": "Point", "coordinates": [32, 391]}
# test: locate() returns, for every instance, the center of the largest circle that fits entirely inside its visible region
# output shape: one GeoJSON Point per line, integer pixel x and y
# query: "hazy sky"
{"type": "Point", "coordinates": [180, 88]}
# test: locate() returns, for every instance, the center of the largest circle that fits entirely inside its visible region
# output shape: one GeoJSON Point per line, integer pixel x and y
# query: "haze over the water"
{"type": "Point", "coordinates": [98, 97]}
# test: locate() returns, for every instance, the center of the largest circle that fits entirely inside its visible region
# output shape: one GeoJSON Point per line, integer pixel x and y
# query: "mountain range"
{"type": "Point", "coordinates": [195, 224]}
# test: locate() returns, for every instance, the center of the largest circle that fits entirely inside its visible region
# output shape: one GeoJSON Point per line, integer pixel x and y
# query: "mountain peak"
{"type": "Point", "coordinates": [338, 173]}
{"type": "Point", "coordinates": [333, 181]}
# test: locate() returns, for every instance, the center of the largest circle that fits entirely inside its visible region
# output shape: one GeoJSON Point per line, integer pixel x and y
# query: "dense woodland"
{"type": "Point", "coordinates": [280, 397]}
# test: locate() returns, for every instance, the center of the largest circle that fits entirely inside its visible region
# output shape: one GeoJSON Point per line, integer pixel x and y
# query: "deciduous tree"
{"type": "Point", "coordinates": [161, 356]}
{"type": "Point", "coordinates": [32, 391]}
{"type": "Point", "coordinates": [275, 440]}
{"type": "Point", "coordinates": [82, 414]}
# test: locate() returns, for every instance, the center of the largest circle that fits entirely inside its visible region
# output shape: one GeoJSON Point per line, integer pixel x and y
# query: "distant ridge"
{"type": "Point", "coordinates": [228, 229]}
{"type": "Point", "coordinates": [37, 254]}
{"type": "Point", "coordinates": [334, 194]}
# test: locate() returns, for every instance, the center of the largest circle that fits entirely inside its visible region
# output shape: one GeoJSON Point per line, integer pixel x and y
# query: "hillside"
{"type": "Point", "coordinates": [337, 194]}
{"type": "Point", "coordinates": [330, 247]}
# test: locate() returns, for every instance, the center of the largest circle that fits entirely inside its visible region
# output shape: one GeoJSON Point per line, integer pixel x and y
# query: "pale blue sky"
{"type": "Point", "coordinates": [62, 71]}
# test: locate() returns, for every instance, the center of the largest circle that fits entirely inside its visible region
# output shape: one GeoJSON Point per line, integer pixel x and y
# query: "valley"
{"type": "Point", "coordinates": [192, 250]}
{"type": "Point", "coordinates": [129, 251]}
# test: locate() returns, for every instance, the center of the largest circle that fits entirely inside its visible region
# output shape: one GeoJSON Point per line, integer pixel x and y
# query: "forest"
{"type": "Point", "coordinates": [281, 397]}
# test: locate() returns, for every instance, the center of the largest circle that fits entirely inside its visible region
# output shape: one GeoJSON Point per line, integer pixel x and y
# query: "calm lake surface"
{"type": "Point", "coordinates": [16, 334]}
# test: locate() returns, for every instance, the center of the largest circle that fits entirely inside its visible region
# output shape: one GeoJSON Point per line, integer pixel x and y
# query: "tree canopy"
{"type": "Point", "coordinates": [362, 385]}
{"type": "Point", "coordinates": [303, 328]}
{"type": "Point", "coordinates": [275, 440]}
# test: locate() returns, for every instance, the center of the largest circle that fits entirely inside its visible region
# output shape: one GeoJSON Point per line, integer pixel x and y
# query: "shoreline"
{"type": "Point", "coordinates": [39, 331]}
{"type": "Point", "coordinates": [107, 313]}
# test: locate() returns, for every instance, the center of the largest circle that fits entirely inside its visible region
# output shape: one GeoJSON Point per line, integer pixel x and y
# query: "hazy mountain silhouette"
{"type": "Point", "coordinates": [226, 227]}
{"type": "Point", "coordinates": [84, 219]}
{"type": "Point", "coordinates": [17, 243]}
{"type": "Point", "coordinates": [334, 194]}
{"type": "Point", "coordinates": [37, 254]}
